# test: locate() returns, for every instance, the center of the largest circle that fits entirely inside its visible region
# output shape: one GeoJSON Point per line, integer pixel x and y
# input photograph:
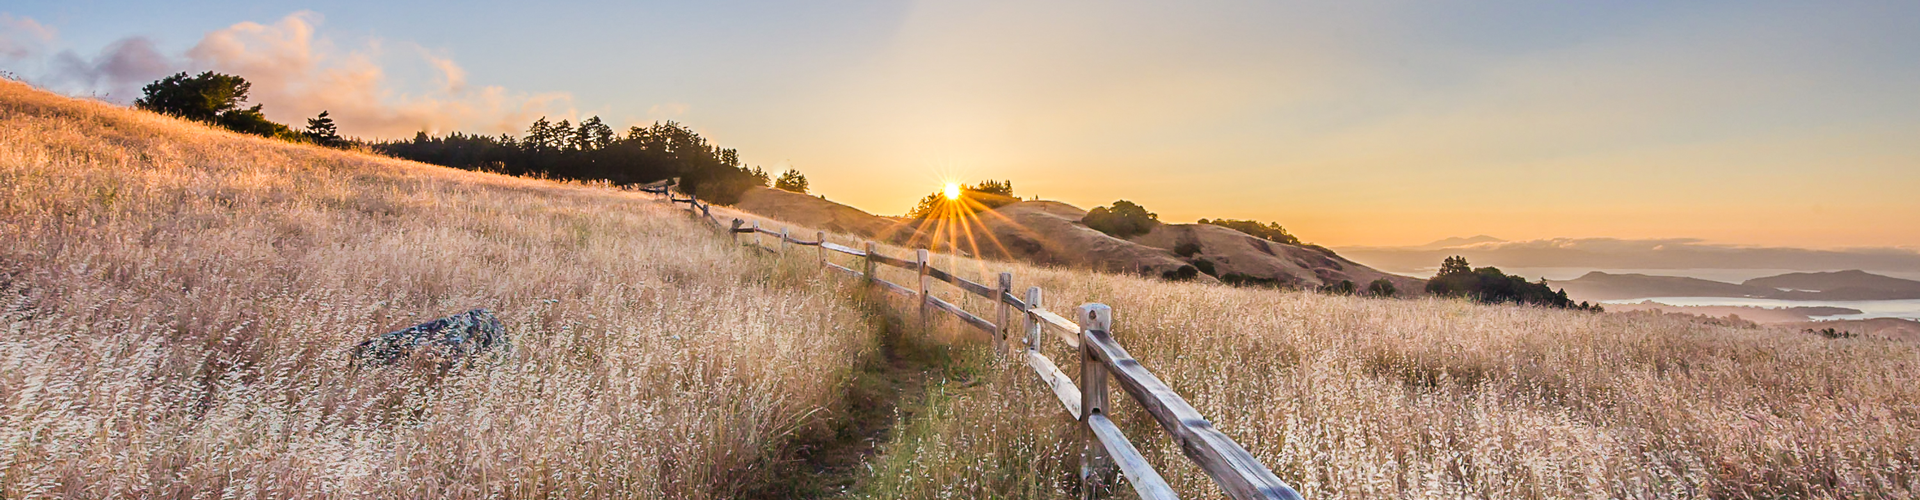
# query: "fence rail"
{"type": "Point", "coordinates": [1105, 448]}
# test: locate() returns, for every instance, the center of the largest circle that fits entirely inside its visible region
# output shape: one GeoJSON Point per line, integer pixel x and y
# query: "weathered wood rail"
{"type": "Point", "coordinates": [1105, 448]}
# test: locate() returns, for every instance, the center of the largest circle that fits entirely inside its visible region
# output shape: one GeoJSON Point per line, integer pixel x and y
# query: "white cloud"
{"type": "Point", "coordinates": [297, 73]}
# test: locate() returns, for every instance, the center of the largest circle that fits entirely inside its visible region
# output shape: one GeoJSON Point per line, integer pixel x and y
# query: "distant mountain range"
{"type": "Point", "coordinates": [1839, 285]}
{"type": "Point", "coordinates": [1611, 253]}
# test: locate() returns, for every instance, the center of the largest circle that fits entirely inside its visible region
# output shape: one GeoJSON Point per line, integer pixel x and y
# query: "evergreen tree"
{"type": "Point", "coordinates": [322, 131]}
{"type": "Point", "coordinates": [791, 180]}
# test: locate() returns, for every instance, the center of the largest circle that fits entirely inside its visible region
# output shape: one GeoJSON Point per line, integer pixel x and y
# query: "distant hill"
{"type": "Point", "coordinates": [1607, 286]}
{"type": "Point", "coordinates": [812, 211]}
{"type": "Point", "coordinates": [1841, 285]}
{"type": "Point", "coordinates": [1050, 232]}
{"type": "Point", "coordinates": [1613, 253]}
{"type": "Point", "coordinates": [1838, 285]}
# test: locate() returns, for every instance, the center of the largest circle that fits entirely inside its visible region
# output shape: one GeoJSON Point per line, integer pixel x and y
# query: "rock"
{"type": "Point", "coordinates": [450, 338]}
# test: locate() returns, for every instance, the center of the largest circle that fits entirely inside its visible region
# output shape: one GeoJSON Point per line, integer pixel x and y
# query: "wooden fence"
{"type": "Point", "coordinates": [1102, 359]}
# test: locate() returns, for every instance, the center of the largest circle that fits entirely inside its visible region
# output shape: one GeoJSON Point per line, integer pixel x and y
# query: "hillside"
{"type": "Point", "coordinates": [1351, 397]}
{"type": "Point", "coordinates": [177, 305]}
{"type": "Point", "coordinates": [1838, 285]}
{"type": "Point", "coordinates": [1050, 233]}
{"type": "Point", "coordinates": [1841, 285]}
{"type": "Point", "coordinates": [1598, 286]}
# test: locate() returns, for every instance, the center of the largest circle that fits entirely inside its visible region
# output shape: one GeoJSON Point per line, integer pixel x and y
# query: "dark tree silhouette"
{"type": "Point", "coordinates": [1381, 288]}
{"type": "Point", "coordinates": [322, 131]}
{"type": "Point", "coordinates": [1124, 219]}
{"type": "Point", "coordinates": [592, 151]}
{"type": "Point", "coordinates": [1270, 231]}
{"type": "Point", "coordinates": [791, 180]}
{"type": "Point", "coordinates": [210, 98]}
{"type": "Point", "coordinates": [1489, 285]}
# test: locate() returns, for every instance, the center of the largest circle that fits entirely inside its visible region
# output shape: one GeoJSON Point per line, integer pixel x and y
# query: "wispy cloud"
{"type": "Point", "coordinates": [21, 37]}
{"type": "Point", "coordinates": [118, 71]}
{"type": "Point", "coordinates": [297, 72]}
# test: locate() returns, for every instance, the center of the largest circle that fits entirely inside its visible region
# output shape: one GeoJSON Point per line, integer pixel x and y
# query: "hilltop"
{"type": "Point", "coordinates": [1051, 233]}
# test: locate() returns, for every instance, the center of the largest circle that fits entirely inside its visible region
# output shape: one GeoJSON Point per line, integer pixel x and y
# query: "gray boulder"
{"type": "Point", "coordinates": [449, 339]}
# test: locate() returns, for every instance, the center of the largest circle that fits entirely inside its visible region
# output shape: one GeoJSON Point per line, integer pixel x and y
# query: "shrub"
{"type": "Point", "coordinates": [791, 180]}
{"type": "Point", "coordinates": [1123, 220]}
{"type": "Point", "coordinates": [1489, 285]}
{"type": "Point", "coordinates": [1381, 288]}
{"type": "Point", "coordinates": [1344, 287]}
{"type": "Point", "coordinates": [1270, 231]}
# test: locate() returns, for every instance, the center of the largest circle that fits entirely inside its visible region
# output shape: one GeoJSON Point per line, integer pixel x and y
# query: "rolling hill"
{"type": "Point", "coordinates": [1050, 233]}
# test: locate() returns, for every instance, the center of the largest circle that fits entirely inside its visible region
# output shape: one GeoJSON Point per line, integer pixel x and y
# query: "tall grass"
{"type": "Point", "coordinates": [177, 304]}
{"type": "Point", "coordinates": [1348, 397]}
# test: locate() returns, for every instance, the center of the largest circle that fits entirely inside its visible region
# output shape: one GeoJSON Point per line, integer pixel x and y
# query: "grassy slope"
{"type": "Point", "coordinates": [1359, 398]}
{"type": "Point", "coordinates": [176, 305]}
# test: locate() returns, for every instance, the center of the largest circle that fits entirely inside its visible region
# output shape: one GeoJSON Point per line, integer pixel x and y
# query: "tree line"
{"type": "Point", "coordinates": [1491, 286]}
{"type": "Point", "coordinates": [591, 150]}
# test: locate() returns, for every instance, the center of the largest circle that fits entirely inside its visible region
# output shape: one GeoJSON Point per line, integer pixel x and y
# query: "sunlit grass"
{"type": "Point", "coordinates": [177, 304]}
{"type": "Point", "coordinates": [1348, 397]}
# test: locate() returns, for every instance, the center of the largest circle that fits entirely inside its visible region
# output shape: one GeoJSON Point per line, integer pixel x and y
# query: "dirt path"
{"type": "Point", "coordinates": [830, 463]}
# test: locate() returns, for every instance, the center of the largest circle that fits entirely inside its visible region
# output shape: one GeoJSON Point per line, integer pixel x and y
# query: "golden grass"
{"type": "Point", "coordinates": [177, 304]}
{"type": "Point", "coordinates": [1349, 397]}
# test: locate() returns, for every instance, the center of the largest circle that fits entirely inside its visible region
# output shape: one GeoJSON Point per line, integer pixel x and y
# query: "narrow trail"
{"type": "Point", "coordinates": [883, 395]}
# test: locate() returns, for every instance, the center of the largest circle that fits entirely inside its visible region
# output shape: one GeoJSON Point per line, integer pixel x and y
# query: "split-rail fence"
{"type": "Point", "coordinates": [1105, 448]}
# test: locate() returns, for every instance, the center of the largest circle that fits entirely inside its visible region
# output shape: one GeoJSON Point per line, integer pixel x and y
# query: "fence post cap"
{"type": "Point", "coordinates": [1094, 316]}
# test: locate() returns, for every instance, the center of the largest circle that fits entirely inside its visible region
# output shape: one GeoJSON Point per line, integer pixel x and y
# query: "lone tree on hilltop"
{"type": "Point", "coordinates": [210, 98]}
{"type": "Point", "coordinates": [1125, 219]}
{"type": "Point", "coordinates": [322, 131]}
{"type": "Point", "coordinates": [791, 180]}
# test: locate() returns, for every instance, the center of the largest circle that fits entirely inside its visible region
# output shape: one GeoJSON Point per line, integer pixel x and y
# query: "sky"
{"type": "Point", "coordinates": [1350, 123]}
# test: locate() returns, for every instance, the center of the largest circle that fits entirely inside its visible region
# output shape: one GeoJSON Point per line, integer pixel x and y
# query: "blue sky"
{"type": "Point", "coordinates": [1777, 123]}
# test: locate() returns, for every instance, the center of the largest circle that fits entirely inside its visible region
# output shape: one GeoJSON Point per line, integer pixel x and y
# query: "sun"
{"type": "Point", "coordinates": [953, 191]}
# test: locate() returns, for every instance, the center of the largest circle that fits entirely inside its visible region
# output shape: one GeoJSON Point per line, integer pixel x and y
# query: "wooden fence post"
{"type": "Point", "coordinates": [1096, 468]}
{"type": "Point", "coordinates": [735, 232]}
{"type": "Point", "coordinates": [1004, 326]}
{"type": "Point", "coordinates": [783, 240]}
{"type": "Point", "coordinates": [820, 237]}
{"type": "Point", "coordinates": [921, 257]}
{"type": "Point", "coordinates": [756, 234]}
{"type": "Point", "coordinates": [1033, 327]}
{"type": "Point", "coordinates": [871, 248]}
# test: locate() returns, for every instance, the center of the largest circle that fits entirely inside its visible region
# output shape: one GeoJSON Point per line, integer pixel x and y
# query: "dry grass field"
{"type": "Point", "coordinates": [177, 305]}
{"type": "Point", "coordinates": [1348, 397]}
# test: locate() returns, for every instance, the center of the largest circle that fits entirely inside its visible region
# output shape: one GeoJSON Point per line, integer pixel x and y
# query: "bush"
{"type": "Point", "coordinates": [1381, 288]}
{"type": "Point", "coordinates": [791, 180]}
{"type": "Point", "coordinates": [1123, 220]}
{"type": "Point", "coordinates": [1270, 231]}
{"type": "Point", "coordinates": [1489, 285]}
{"type": "Point", "coordinates": [1344, 287]}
